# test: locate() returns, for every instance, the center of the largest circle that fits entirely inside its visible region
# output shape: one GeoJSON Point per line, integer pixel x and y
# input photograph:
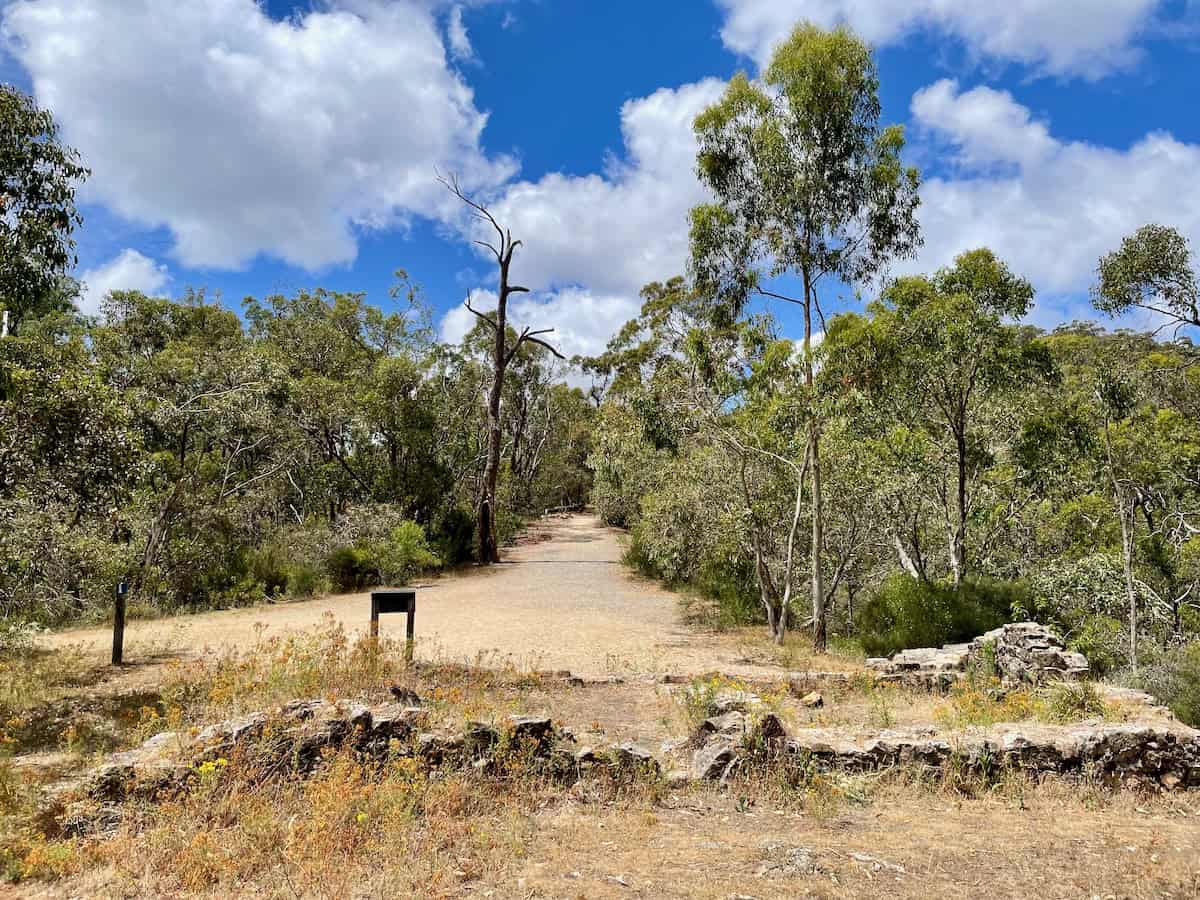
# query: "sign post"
{"type": "Point", "coordinates": [393, 601]}
{"type": "Point", "coordinates": [118, 650]}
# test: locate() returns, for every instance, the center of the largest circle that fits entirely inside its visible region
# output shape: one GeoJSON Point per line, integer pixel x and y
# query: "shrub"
{"type": "Point", "coordinates": [906, 612]}
{"type": "Point", "coordinates": [730, 583]}
{"type": "Point", "coordinates": [393, 559]}
{"type": "Point", "coordinates": [454, 537]}
{"type": "Point", "coordinates": [1104, 641]}
{"type": "Point", "coordinates": [404, 554]}
{"type": "Point", "coordinates": [1084, 599]}
{"type": "Point", "coordinates": [305, 580]}
{"type": "Point", "coordinates": [350, 568]}
{"type": "Point", "coordinates": [268, 565]}
{"type": "Point", "coordinates": [508, 525]}
{"type": "Point", "coordinates": [1174, 680]}
{"type": "Point", "coordinates": [1073, 701]}
{"type": "Point", "coordinates": [17, 637]}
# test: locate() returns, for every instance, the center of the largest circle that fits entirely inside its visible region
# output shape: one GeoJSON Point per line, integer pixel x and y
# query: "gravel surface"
{"type": "Point", "coordinates": [560, 600]}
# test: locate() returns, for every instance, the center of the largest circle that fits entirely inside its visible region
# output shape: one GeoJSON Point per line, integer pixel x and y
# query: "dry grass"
{"type": "Point", "coordinates": [360, 827]}
{"type": "Point", "coordinates": [908, 841]}
{"type": "Point", "coordinates": [987, 703]}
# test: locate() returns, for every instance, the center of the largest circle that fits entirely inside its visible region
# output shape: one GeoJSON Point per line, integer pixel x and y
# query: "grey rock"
{"type": "Point", "coordinates": [397, 721]}
{"type": "Point", "coordinates": [233, 731]}
{"type": "Point", "coordinates": [735, 701]}
{"type": "Point", "coordinates": [632, 758]}
{"type": "Point", "coordinates": [479, 737]}
{"type": "Point", "coordinates": [536, 728]}
{"type": "Point", "coordinates": [710, 762]}
{"type": "Point", "coordinates": [732, 722]}
{"type": "Point", "coordinates": [1022, 652]}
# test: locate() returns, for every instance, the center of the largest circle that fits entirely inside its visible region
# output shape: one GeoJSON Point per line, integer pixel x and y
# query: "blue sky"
{"type": "Point", "coordinates": [255, 148]}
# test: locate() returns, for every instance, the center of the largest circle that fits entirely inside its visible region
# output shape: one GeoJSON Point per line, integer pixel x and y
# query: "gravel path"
{"type": "Point", "coordinates": [561, 600]}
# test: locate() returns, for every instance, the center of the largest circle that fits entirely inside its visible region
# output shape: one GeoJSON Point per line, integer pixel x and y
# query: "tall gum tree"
{"type": "Point", "coordinates": [1151, 271]}
{"type": "Point", "coordinates": [933, 364]}
{"type": "Point", "coordinates": [504, 350]}
{"type": "Point", "coordinates": [806, 182]}
{"type": "Point", "coordinates": [38, 179]}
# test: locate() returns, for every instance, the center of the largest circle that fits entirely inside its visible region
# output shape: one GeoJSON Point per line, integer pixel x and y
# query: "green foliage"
{"type": "Point", "coordinates": [1174, 680]}
{"type": "Point", "coordinates": [1074, 701]}
{"type": "Point", "coordinates": [1084, 600]}
{"type": "Point", "coordinates": [729, 583]}
{"type": "Point", "coordinates": [392, 558]}
{"type": "Point", "coordinates": [624, 464]}
{"type": "Point", "coordinates": [352, 568]}
{"type": "Point", "coordinates": [1151, 270]}
{"type": "Point", "coordinates": [17, 637]}
{"type": "Point", "coordinates": [404, 554]}
{"type": "Point", "coordinates": [269, 567]}
{"type": "Point", "coordinates": [804, 151]}
{"type": "Point", "coordinates": [906, 612]}
{"type": "Point", "coordinates": [454, 536]}
{"type": "Point", "coordinates": [305, 579]}
{"type": "Point", "coordinates": [508, 525]}
{"type": "Point", "coordinates": [38, 179]}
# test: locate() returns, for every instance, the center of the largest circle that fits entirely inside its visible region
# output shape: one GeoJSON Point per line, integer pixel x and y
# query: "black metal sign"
{"type": "Point", "coordinates": [392, 601]}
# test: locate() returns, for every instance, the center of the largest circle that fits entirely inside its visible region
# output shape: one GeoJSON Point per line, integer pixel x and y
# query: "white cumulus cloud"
{"type": "Point", "coordinates": [616, 231]}
{"type": "Point", "coordinates": [248, 135]}
{"type": "Point", "coordinates": [456, 34]}
{"type": "Point", "coordinates": [1049, 207]}
{"type": "Point", "coordinates": [1061, 37]}
{"type": "Point", "coordinates": [129, 270]}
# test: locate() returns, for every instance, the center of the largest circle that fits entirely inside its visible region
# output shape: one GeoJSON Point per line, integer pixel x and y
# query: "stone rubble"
{"type": "Point", "coordinates": [297, 737]}
{"type": "Point", "coordinates": [1022, 652]}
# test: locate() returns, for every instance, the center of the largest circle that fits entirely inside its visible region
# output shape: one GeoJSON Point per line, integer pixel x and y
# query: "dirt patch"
{"type": "Point", "coordinates": [911, 844]}
{"type": "Point", "coordinates": [565, 601]}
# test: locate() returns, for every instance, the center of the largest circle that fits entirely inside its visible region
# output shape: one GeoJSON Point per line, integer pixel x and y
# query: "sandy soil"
{"type": "Point", "coordinates": [561, 600]}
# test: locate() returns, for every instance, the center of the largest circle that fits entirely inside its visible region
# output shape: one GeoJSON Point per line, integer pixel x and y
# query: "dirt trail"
{"type": "Point", "coordinates": [563, 600]}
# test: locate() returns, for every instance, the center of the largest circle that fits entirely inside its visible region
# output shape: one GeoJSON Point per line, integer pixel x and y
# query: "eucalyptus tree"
{"type": "Point", "coordinates": [806, 181]}
{"type": "Point", "coordinates": [354, 387]}
{"type": "Point", "coordinates": [502, 247]}
{"type": "Point", "coordinates": [38, 179]}
{"type": "Point", "coordinates": [68, 458]}
{"type": "Point", "coordinates": [938, 366]}
{"type": "Point", "coordinates": [205, 405]}
{"type": "Point", "coordinates": [1153, 271]}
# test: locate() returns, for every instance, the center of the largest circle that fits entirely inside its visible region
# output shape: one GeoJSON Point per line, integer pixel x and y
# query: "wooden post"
{"type": "Point", "coordinates": [410, 630]}
{"type": "Point", "coordinates": [118, 647]}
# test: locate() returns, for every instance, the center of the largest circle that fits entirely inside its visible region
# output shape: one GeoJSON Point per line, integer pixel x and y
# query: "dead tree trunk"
{"type": "Point", "coordinates": [503, 351]}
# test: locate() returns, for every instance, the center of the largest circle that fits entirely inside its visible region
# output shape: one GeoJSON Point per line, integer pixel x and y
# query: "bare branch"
{"type": "Point", "coordinates": [470, 308]}
{"type": "Point", "coordinates": [451, 184]}
{"type": "Point", "coordinates": [542, 343]}
{"type": "Point", "coordinates": [495, 252]}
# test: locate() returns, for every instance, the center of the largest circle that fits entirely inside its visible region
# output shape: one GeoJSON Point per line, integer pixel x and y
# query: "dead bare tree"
{"type": "Point", "coordinates": [503, 352]}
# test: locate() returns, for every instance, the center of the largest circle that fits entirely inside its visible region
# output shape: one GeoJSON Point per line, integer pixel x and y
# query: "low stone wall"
{"type": "Point", "coordinates": [1148, 755]}
{"type": "Point", "coordinates": [297, 737]}
{"type": "Point", "coordinates": [1022, 652]}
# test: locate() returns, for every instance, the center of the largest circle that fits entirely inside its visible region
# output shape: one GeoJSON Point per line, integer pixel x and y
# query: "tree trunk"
{"type": "Point", "coordinates": [1126, 514]}
{"type": "Point", "coordinates": [488, 551]}
{"type": "Point", "coordinates": [906, 561]}
{"type": "Point", "coordinates": [501, 356]}
{"type": "Point", "coordinates": [958, 549]}
{"type": "Point", "coordinates": [1127, 565]}
{"type": "Point", "coordinates": [814, 450]}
